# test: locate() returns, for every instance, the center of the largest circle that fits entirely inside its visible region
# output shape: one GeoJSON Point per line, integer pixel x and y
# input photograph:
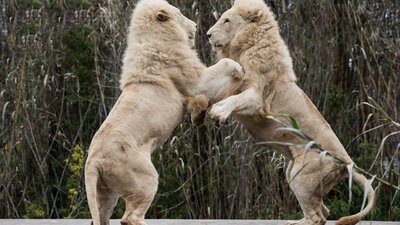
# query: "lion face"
{"type": "Point", "coordinates": [244, 16]}
{"type": "Point", "coordinates": [226, 28]}
{"type": "Point", "coordinates": [157, 20]}
{"type": "Point", "coordinates": [172, 14]}
{"type": "Point", "coordinates": [189, 26]}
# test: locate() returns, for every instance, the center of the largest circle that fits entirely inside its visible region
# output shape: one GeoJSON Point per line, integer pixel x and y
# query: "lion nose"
{"type": "Point", "coordinates": [209, 35]}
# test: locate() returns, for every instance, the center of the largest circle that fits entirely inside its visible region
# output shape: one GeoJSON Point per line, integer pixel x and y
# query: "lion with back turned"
{"type": "Point", "coordinates": [161, 74]}
{"type": "Point", "coordinates": [249, 34]}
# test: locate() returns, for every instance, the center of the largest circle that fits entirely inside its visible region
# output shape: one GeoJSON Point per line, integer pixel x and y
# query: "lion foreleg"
{"type": "Point", "coordinates": [246, 103]}
{"type": "Point", "coordinates": [214, 78]}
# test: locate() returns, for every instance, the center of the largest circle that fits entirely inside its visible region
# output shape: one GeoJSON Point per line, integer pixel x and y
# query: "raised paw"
{"type": "Point", "coordinates": [236, 70]}
{"type": "Point", "coordinates": [197, 106]}
{"type": "Point", "coordinates": [220, 111]}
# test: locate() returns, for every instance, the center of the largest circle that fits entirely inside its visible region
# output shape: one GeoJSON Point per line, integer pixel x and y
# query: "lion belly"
{"type": "Point", "coordinates": [142, 119]}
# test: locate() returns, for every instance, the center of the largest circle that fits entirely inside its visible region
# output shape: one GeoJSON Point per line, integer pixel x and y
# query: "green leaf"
{"type": "Point", "coordinates": [293, 122]}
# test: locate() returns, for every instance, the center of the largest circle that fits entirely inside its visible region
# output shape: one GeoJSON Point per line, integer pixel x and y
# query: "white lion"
{"type": "Point", "coordinates": [160, 70]}
{"type": "Point", "coordinates": [249, 34]}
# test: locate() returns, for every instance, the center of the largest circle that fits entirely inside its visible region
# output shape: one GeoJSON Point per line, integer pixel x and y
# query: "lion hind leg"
{"type": "Point", "coordinates": [296, 222]}
{"type": "Point", "coordinates": [107, 201]}
{"type": "Point", "coordinates": [303, 186]}
{"type": "Point", "coordinates": [138, 199]}
{"type": "Point", "coordinates": [312, 210]}
{"type": "Point", "coordinates": [136, 208]}
{"type": "Point", "coordinates": [101, 199]}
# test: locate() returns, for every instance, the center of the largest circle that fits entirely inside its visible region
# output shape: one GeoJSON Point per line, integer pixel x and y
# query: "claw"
{"type": "Point", "coordinates": [220, 112]}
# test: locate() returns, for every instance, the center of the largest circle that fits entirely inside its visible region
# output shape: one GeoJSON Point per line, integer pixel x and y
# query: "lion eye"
{"type": "Point", "coordinates": [227, 21]}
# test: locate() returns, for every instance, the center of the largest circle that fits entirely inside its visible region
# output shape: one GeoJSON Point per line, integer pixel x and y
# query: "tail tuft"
{"type": "Point", "coordinates": [348, 220]}
{"type": "Point", "coordinates": [362, 182]}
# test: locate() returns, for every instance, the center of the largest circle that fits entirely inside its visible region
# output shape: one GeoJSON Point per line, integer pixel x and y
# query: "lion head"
{"type": "Point", "coordinates": [156, 28]}
{"type": "Point", "coordinates": [159, 21]}
{"type": "Point", "coordinates": [245, 16]}
{"type": "Point", "coordinates": [249, 34]}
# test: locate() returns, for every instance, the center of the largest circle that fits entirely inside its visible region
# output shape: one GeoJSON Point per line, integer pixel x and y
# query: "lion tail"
{"type": "Point", "coordinates": [361, 181]}
{"type": "Point", "coordinates": [91, 179]}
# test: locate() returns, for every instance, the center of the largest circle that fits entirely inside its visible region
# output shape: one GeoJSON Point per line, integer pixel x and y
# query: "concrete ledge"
{"type": "Point", "coordinates": [170, 222]}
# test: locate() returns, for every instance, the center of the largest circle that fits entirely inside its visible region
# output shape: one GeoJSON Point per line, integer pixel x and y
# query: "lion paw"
{"type": "Point", "coordinates": [305, 222]}
{"type": "Point", "coordinates": [237, 71]}
{"type": "Point", "coordinates": [197, 106]}
{"type": "Point", "coordinates": [220, 111]}
{"type": "Point", "coordinates": [297, 222]}
{"type": "Point", "coordinates": [133, 222]}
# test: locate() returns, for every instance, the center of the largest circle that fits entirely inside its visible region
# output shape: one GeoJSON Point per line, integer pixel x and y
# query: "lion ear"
{"type": "Point", "coordinates": [162, 16]}
{"type": "Point", "coordinates": [254, 15]}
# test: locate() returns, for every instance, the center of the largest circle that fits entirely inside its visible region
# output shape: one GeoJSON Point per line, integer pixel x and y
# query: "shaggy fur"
{"type": "Point", "coordinates": [159, 71]}
{"type": "Point", "coordinates": [249, 34]}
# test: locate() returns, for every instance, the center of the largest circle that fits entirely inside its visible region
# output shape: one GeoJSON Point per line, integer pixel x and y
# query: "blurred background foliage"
{"type": "Point", "coordinates": [59, 71]}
